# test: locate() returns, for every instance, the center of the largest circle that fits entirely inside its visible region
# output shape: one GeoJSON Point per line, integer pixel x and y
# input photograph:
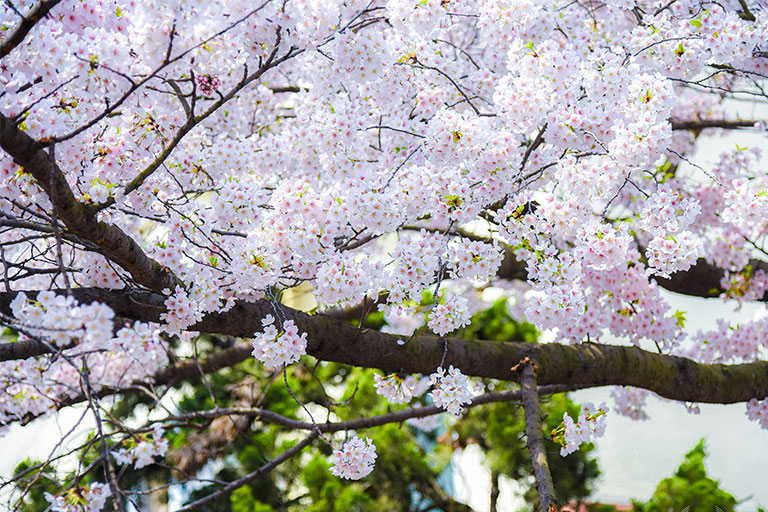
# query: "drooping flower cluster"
{"type": "Point", "coordinates": [757, 410]}
{"type": "Point", "coordinates": [667, 217]}
{"type": "Point", "coordinates": [355, 460]}
{"type": "Point", "coordinates": [89, 498]}
{"type": "Point", "coordinates": [630, 402]}
{"type": "Point", "coordinates": [449, 315]}
{"type": "Point", "coordinates": [61, 320]}
{"type": "Point", "coordinates": [667, 213]}
{"type": "Point", "coordinates": [672, 253]}
{"type": "Point", "coordinates": [181, 311]}
{"type": "Point", "coordinates": [277, 348]}
{"type": "Point", "coordinates": [396, 389]}
{"type": "Point", "coordinates": [590, 425]}
{"type": "Point", "coordinates": [426, 423]}
{"type": "Point", "coordinates": [142, 452]}
{"type": "Point", "coordinates": [451, 390]}
{"type": "Point", "coordinates": [746, 206]}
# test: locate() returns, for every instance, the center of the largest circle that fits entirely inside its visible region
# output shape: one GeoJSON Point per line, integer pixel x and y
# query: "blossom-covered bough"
{"type": "Point", "coordinates": [177, 168]}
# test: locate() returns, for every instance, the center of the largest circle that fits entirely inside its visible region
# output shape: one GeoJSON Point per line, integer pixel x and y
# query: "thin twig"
{"type": "Point", "coordinates": [269, 466]}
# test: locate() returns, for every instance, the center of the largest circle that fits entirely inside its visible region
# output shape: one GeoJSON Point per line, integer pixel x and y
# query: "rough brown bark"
{"type": "Point", "coordinates": [585, 365]}
{"type": "Point", "coordinates": [701, 280]}
{"type": "Point", "coordinates": [495, 475]}
{"type": "Point", "coordinates": [535, 439]}
{"type": "Point", "coordinates": [108, 239]}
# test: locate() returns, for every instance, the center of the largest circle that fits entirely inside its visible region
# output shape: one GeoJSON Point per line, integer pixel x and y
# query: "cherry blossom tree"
{"type": "Point", "coordinates": [189, 187]}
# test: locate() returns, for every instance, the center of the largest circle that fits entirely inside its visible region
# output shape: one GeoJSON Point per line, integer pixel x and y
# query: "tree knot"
{"type": "Point", "coordinates": [526, 361]}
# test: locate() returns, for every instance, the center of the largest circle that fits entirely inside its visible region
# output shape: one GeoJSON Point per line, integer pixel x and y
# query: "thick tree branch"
{"type": "Point", "coordinates": [114, 243]}
{"type": "Point", "coordinates": [726, 124]}
{"type": "Point", "coordinates": [530, 395]}
{"type": "Point", "coordinates": [701, 280]}
{"type": "Point", "coordinates": [585, 365]}
{"type": "Point", "coordinates": [27, 23]}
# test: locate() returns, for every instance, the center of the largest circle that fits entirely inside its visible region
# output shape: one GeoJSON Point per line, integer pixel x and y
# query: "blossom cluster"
{"type": "Point", "coordinates": [181, 311]}
{"type": "Point", "coordinates": [61, 320]}
{"type": "Point", "coordinates": [342, 280]}
{"type": "Point", "coordinates": [208, 84]}
{"type": "Point", "coordinates": [630, 402]}
{"type": "Point", "coordinates": [666, 212]}
{"type": "Point", "coordinates": [355, 459]}
{"type": "Point", "coordinates": [142, 452]}
{"type": "Point", "coordinates": [449, 315]}
{"type": "Point", "coordinates": [90, 498]}
{"type": "Point", "coordinates": [278, 348]}
{"type": "Point", "coordinates": [34, 386]}
{"type": "Point", "coordinates": [398, 144]}
{"type": "Point", "coordinates": [590, 425]}
{"type": "Point", "coordinates": [757, 410]}
{"type": "Point", "coordinates": [426, 423]}
{"type": "Point", "coordinates": [729, 343]}
{"type": "Point", "coordinates": [476, 261]}
{"type": "Point", "coordinates": [746, 206]}
{"type": "Point", "coordinates": [451, 390]}
{"type": "Point", "coordinates": [396, 389]}
{"type": "Point", "coordinates": [672, 253]}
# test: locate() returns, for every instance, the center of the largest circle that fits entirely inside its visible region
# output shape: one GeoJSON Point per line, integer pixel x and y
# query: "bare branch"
{"type": "Point", "coordinates": [530, 396]}
{"type": "Point", "coordinates": [266, 468]}
{"type": "Point", "coordinates": [360, 423]}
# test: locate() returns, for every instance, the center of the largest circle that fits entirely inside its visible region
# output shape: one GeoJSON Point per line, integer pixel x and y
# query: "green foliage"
{"type": "Point", "coordinates": [330, 494]}
{"type": "Point", "coordinates": [242, 500]}
{"type": "Point", "coordinates": [33, 479]}
{"type": "Point", "coordinates": [496, 324]}
{"type": "Point", "coordinates": [409, 464]}
{"type": "Point", "coordinates": [689, 487]}
{"type": "Point", "coordinates": [499, 428]}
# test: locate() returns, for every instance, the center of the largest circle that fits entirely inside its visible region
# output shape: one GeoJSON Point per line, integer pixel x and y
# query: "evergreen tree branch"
{"type": "Point", "coordinates": [266, 468]}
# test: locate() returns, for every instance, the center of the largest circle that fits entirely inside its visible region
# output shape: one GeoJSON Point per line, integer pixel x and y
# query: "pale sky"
{"type": "Point", "coordinates": [635, 455]}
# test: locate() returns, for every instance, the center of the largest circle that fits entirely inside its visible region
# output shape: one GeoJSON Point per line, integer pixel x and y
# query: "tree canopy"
{"type": "Point", "coordinates": [265, 235]}
{"type": "Point", "coordinates": [689, 487]}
